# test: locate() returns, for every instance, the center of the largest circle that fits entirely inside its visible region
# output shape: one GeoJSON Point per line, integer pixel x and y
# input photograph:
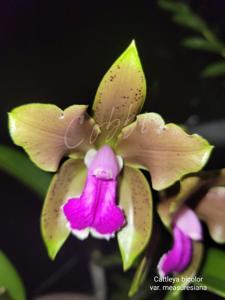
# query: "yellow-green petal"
{"type": "Point", "coordinates": [167, 151]}
{"type": "Point", "coordinates": [120, 95]}
{"type": "Point", "coordinates": [48, 133]}
{"type": "Point", "coordinates": [67, 183]}
{"type": "Point", "coordinates": [136, 200]}
{"type": "Point", "coordinates": [11, 285]}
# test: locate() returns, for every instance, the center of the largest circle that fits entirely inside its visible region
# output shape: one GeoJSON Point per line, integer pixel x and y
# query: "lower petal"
{"type": "Point", "coordinates": [178, 258]}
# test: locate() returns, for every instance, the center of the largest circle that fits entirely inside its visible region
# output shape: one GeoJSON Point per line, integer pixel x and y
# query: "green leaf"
{"type": "Point", "coordinates": [191, 21]}
{"type": "Point", "coordinates": [213, 271]}
{"type": "Point", "coordinates": [214, 70]}
{"type": "Point", "coordinates": [173, 296]}
{"type": "Point", "coordinates": [183, 15]}
{"type": "Point", "coordinates": [139, 276]}
{"type": "Point", "coordinates": [136, 200]}
{"type": "Point", "coordinates": [120, 95]}
{"type": "Point", "coordinates": [18, 165]}
{"type": "Point", "coordinates": [200, 43]}
{"type": "Point", "coordinates": [67, 183]}
{"type": "Point", "coordinates": [10, 279]}
{"type": "Point", "coordinates": [174, 6]}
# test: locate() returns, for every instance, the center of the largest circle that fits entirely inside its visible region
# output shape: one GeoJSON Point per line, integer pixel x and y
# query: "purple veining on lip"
{"type": "Point", "coordinates": [186, 227]}
{"type": "Point", "coordinates": [95, 210]}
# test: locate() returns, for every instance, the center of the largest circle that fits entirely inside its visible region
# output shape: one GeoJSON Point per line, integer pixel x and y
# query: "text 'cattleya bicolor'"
{"type": "Point", "coordinates": [100, 189]}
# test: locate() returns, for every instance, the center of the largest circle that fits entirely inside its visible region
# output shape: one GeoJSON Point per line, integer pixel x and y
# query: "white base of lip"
{"type": "Point", "coordinates": [159, 267]}
{"type": "Point", "coordinates": [91, 154]}
{"type": "Point", "coordinates": [84, 233]}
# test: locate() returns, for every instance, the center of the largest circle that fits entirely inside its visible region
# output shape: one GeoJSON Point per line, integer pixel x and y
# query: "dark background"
{"type": "Point", "coordinates": [57, 52]}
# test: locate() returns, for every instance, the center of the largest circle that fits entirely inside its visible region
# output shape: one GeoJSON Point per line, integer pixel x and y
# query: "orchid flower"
{"type": "Point", "coordinates": [105, 153]}
{"type": "Point", "coordinates": [186, 228]}
{"type": "Point", "coordinates": [208, 192]}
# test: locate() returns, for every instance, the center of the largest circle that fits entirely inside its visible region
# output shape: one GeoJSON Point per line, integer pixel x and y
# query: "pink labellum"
{"type": "Point", "coordinates": [95, 211]}
{"type": "Point", "coordinates": [178, 258]}
{"type": "Point", "coordinates": [186, 227]}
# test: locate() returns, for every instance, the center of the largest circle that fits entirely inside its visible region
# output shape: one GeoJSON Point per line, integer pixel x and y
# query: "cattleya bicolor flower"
{"type": "Point", "coordinates": [105, 153]}
{"type": "Point", "coordinates": [207, 189]}
{"type": "Point", "coordinates": [186, 228]}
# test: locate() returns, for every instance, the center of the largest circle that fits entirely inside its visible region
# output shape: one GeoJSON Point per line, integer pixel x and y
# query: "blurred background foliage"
{"type": "Point", "coordinates": [203, 39]}
{"type": "Point", "coordinates": [57, 52]}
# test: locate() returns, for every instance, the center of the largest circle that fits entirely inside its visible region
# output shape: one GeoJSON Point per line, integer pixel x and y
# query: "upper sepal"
{"type": "Point", "coordinates": [120, 95]}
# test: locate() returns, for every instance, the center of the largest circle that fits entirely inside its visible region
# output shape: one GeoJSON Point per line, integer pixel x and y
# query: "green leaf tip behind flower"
{"type": "Point", "coordinates": [139, 276]}
{"type": "Point", "coordinates": [120, 95]}
{"type": "Point", "coordinates": [10, 280]}
{"type": "Point", "coordinates": [67, 183]}
{"type": "Point", "coordinates": [166, 150]}
{"type": "Point", "coordinates": [213, 271]}
{"type": "Point", "coordinates": [136, 200]}
{"type": "Point", "coordinates": [18, 165]}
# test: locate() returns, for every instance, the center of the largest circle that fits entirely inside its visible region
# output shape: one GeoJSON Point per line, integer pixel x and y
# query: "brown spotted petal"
{"type": "Point", "coordinates": [47, 133]}
{"type": "Point", "coordinates": [136, 200]}
{"type": "Point", "coordinates": [211, 209]}
{"type": "Point", "coordinates": [167, 151]}
{"type": "Point", "coordinates": [120, 95]}
{"type": "Point", "coordinates": [67, 183]}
